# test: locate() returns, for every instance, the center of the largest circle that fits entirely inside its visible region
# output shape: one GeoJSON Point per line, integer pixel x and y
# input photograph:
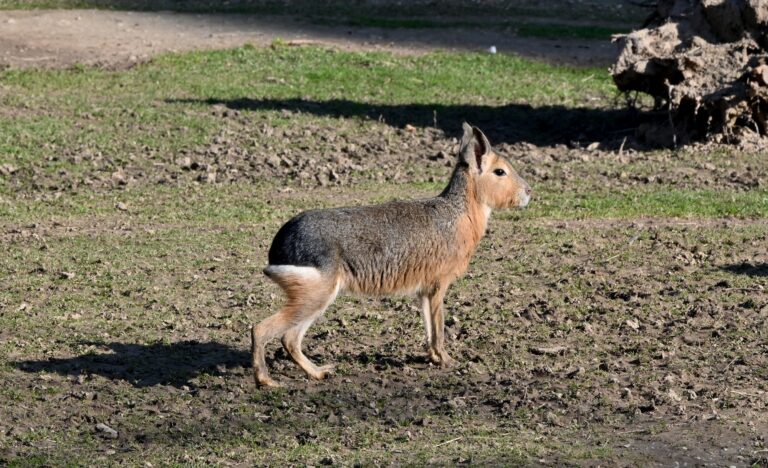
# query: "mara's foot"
{"type": "Point", "coordinates": [322, 372]}
{"type": "Point", "coordinates": [264, 380]}
{"type": "Point", "coordinates": [441, 358]}
{"type": "Point", "coordinates": [446, 361]}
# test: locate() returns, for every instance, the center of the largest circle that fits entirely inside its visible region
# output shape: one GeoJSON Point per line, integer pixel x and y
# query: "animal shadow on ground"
{"type": "Point", "coordinates": [511, 123]}
{"type": "Point", "coordinates": [749, 269]}
{"type": "Point", "coordinates": [147, 365]}
{"type": "Point", "coordinates": [177, 364]}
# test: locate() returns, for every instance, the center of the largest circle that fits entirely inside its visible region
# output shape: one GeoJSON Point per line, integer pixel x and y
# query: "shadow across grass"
{"type": "Point", "coordinates": [491, 12]}
{"type": "Point", "coordinates": [147, 365]}
{"type": "Point", "coordinates": [749, 269]}
{"type": "Point", "coordinates": [511, 123]}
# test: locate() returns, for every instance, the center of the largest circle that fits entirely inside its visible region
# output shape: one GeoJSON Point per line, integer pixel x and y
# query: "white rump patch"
{"type": "Point", "coordinates": [309, 273]}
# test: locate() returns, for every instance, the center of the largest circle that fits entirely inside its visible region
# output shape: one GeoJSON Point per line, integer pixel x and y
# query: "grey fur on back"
{"type": "Point", "coordinates": [372, 243]}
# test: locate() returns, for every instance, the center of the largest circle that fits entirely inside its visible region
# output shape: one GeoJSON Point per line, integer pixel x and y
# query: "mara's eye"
{"type": "Point", "coordinates": [499, 172]}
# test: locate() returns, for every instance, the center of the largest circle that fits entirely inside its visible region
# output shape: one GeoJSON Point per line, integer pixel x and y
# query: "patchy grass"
{"type": "Point", "coordinates": [109, 119]}
{"type": "Point", "coordinates": [150, 316]}
{"type": "Point", "coordinates": [141, 204]}
{"type": "Point", "coordinates": [253, 204]}
{"type": "Point", "coordinates": [652, 202]}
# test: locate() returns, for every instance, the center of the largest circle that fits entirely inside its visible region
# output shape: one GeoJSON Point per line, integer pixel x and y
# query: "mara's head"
{"type": "Point", "coordinates": [497, 184]}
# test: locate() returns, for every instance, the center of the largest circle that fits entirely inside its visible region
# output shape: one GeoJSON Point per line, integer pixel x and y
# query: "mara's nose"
{"type": "Point", "coordinates": [528, 190]}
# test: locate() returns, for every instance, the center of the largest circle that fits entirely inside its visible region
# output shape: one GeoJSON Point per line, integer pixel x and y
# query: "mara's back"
{"type": "Point", "coordinates": [400, 246]}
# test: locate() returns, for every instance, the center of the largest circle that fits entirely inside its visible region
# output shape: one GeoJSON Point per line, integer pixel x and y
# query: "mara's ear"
{"type": "Point", "coordinates": [474, 147]}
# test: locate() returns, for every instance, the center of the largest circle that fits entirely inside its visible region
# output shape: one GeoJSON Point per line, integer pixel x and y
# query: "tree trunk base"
{"type": "Point", "coordinates": [706, 61]}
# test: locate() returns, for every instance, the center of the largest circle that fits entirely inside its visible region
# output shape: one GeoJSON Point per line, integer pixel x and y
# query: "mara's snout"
{"type": "Point", "coordinates": [401, 247]}
{"type": "Point", "coordinates": [524, 195]}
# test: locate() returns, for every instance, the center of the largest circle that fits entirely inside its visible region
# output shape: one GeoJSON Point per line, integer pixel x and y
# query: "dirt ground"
{"type": "Point", "coordinates": [623, 342]}
{"type": "Point", "coordinates": [118, 39]}
{"type": "Point", "coordinates": [620, 342]}
{"type": "Point", "coordinates": [629, 342]}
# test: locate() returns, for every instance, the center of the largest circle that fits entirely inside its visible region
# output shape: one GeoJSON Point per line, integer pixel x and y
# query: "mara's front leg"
{"type": "Point", "coordinates": [437, 344]}
{"type": "Point", "coordinates": [426, 314]}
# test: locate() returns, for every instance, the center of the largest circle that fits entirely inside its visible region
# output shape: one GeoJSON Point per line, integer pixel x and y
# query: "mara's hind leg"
{"type": "Point", "coordinates": [264, 332]}
{"type": "Point", "coordinates": [308, 291]}
{"type": "Point", "coordinates": [293, 337]}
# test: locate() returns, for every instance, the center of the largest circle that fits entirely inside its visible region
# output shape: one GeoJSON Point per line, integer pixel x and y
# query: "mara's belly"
{"type": "Point", "coordinates": [403, 278]}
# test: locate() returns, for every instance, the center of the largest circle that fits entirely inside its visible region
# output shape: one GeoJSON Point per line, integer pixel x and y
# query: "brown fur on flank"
{"type": "Point", "coordinates": [418, 247]}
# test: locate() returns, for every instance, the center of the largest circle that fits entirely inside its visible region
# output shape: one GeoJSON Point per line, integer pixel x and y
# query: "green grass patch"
{"type": "Point", "coordinates": [625, 203]}
{"type": "Point", "coordinates": [242, 203]}
{"type": "Point", "coordinates": [561, 31]}
{"type": "Point", "coordinates": [544, 30]}
{"type": "Point", "coordinates": [650, 203]}
{"type": "Point", "coordinates": [377, 77]}
{"type": "Point", "coordinates": [311, 73]}
{"type": "Point", "coordinates": [198, 204]}
{"type": "Point", "coordinates": [394, 22]}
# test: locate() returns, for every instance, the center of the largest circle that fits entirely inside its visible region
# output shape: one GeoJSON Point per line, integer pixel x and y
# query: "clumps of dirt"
{"type": "Point", "coordinates": [251, 150]}
{"type": "Point", "coordinates": [704, 60]}
{"type": "Point", "coordinates": [247, 148]}
{"type": "Point", "coordinates": [697, 166]}
{"type": "Point", "coordinates": [313, 155]}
